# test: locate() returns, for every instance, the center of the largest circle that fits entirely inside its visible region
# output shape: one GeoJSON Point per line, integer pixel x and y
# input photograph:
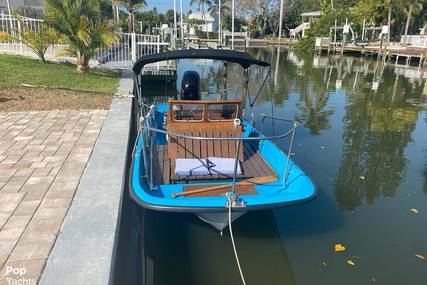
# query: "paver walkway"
{"type": "Point", "coordinates": [42, 157]}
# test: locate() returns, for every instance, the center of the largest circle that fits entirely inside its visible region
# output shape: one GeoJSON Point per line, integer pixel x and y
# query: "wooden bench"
{"type": "Point", "coordinates": [195, 118]}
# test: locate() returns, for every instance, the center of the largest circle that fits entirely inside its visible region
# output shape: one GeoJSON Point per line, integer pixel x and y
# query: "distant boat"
{"type": "Point", "coordinates": [204, 157]}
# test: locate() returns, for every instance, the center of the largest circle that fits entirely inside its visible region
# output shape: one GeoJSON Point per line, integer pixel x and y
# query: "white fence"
{"type": "Point", "coordinates": [130, 47]}
{"type": "Point", "coordinates": [417, 41]}
{"type": "Point", "coordinates": [11, 24]}
{"type": "Point", "coordinates": [119, 55]}
{"type": "Point", "coordinates": [322, 42]}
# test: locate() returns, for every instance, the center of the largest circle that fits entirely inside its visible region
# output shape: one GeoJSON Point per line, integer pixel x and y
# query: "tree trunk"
{"type": "Point", "coordinates": [389, 21]}
{"type": "Point", "coordinates": [424, 29]}
{"type": "Point", "coordinates": [130, 23]}
{"type": "Point", "coordinates": [82, 63]}
{"type": "Point", "coordinates": [206, 23]}
{"type": "Point", "coordinates": [408, 20]}
{"type": "Point", "coordinates": [42, 58]}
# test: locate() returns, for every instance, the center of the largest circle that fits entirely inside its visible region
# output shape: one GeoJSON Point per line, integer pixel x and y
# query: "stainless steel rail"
{"type": "Point", "coordinates": [296, 125]}
{"type": "Point", "coordinates": [147, 133]}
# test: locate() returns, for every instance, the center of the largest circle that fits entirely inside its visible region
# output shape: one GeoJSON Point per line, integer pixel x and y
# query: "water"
{"type": "Point", "coordinates": [364, 143]}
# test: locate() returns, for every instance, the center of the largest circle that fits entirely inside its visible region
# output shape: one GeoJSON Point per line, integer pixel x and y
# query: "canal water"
{"type": "Point", "coordinates": [364, 144]}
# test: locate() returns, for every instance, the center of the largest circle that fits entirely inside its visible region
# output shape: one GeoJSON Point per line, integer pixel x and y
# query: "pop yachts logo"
{"type": "Point", "coordinates": [16, 276]}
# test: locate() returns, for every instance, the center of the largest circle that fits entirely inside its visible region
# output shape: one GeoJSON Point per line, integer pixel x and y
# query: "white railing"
{"type": "Point", "coordinates": [127, 50]}
{"type": "Point", "coordinates": [294, 32]}
{"type": "Point", "coordinates": [11, 24]}
{"type": "Point", "coordinates": [322, 42]}
{"type": "Point", "coordinates": [417, 41]}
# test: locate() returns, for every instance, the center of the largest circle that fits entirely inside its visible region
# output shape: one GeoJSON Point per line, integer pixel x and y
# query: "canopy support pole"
{"type": "Point", "coordinates": [232, 24]}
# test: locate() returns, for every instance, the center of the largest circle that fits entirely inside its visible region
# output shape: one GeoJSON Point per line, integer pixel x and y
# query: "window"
{"type": "Point", "coordinates": [188, 112]}
{"type": "Point", "coordinates": [222, 112]}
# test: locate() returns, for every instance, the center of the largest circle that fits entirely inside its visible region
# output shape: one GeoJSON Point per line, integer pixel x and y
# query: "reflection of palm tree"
{"type": "Point", "coordinates": [377, 131]}
{"type": "Point", "coordinates": [313, 114]}
{"type": "Point", "coordinates": [425, 180]}
{"type": "Point", "coordinates": [216, 78]}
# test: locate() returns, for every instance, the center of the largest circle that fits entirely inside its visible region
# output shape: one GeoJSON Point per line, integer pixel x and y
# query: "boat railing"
{"type": "Point", "coordinates": [147, 132]}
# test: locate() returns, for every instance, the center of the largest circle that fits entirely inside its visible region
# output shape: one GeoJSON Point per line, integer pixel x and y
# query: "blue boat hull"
{"type": "Point", "coordinates": [297, 189]}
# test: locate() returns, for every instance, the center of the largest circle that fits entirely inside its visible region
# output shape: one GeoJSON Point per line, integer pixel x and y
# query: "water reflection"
{"type": "Point", "coordinates": [363, 141]}
{"type": "Point", "coordinates": [197, 254]}
{"type": "Point", "coordinates": [377, 130]}
{"type": "Point", "coordinates": [382, 105]}
{"type": "Point", "coordinates": [425, 180]}
{"type": "Point", "coordinates": [380, 116]}
{"type": "Point", "coordinates": [312, 112]}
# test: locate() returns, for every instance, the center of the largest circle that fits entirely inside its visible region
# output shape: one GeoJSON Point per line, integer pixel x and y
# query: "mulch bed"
{"type": "Point", "coordinates": [39, 99]}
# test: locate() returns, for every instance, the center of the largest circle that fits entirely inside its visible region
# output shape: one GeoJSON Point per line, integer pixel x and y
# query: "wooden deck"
{"type": "Point", "coordinates": [253, 166]}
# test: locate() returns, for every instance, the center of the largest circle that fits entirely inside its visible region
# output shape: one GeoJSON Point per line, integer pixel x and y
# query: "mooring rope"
{"type": "Point", "coordinates": [232, 240]}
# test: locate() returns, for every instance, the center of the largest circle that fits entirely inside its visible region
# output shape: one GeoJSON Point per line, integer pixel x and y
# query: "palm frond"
{"type": "Point", "coordinates": [80, 22]}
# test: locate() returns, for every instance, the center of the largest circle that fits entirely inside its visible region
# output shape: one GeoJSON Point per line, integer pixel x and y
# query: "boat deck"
{"type": "Point", "coordinates": [253, 166]}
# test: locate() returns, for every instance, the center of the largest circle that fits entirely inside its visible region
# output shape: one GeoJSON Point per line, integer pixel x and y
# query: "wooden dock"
{"type": "Point", "coordinates": [392, 52]}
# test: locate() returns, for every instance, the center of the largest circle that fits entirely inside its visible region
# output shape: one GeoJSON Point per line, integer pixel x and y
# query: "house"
{"type": "Point", "coordinates": [210, 23]}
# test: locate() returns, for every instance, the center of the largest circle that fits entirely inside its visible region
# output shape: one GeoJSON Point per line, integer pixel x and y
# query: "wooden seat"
{"type": "Point", "coordinates": [201, 126]}
{"type": "Point", "coordinates": [253, 166]}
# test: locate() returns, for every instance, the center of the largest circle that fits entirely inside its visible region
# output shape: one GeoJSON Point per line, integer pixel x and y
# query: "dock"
{"type": "Point", "coordinates": [391, 52]}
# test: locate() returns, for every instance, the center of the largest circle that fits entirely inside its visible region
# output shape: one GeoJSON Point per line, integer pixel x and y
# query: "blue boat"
{"type": "Point", "coordinates": [205, 157]}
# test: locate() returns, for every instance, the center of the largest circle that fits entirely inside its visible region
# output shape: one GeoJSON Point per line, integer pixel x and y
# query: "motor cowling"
{"type": "Point", "coordinates": [190, 86]}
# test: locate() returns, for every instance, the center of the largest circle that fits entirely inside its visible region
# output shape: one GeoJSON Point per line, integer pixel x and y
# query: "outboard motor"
{"type": "Point", "coordinates": [190, 86]}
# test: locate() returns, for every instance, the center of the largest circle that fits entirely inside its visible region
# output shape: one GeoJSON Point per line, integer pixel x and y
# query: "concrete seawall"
{"type": "Point", "coordinates": [85, 249]}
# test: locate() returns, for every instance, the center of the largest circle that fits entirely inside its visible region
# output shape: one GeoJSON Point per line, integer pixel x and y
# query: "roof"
{"type": "Point", "coordinates": [199, 15]}
{"type": "Point", "coordinates": [242, 58]}
{"type": "Point", "coordinates": [312, 14]}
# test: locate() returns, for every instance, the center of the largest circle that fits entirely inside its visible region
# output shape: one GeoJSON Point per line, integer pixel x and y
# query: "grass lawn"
{"type": "Point", "coordinates": [16, 70]}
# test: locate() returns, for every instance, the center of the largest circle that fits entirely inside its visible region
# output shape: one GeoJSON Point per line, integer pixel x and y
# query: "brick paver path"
{"type": "Point", "coordinates": [42, 157]}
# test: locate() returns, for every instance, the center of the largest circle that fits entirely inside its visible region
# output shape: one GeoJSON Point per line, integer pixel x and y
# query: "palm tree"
{"type": "Point", "coordinates": [411, 4]}
{"type": "Point", "coordinates": [79, 21]}
{"type": "Point", "coordinates": [213, 9]}
{"type": "Point", "coordinates": [389, 20]}
{"type": "Point", "coordinates": [38, 40]}
{"type": "Point", "coordinates": [131, 6]}
{"type": "Point", "coordinates": [202, 4]}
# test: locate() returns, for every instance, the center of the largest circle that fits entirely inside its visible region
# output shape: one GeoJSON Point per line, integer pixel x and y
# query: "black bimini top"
{"type": "Point", "coordinates": [242, 58]}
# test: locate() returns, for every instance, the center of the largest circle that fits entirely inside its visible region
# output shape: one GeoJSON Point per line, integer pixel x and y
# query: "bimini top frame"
{"type": "Point", "coordinates": [242, 58]}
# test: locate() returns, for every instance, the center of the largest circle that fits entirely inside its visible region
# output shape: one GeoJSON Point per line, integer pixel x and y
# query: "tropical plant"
{"type": "Point", "coordinates": [5, 37]}
{"type": "Point", "coordinates": [202, 4]}
{"type": "Point", "coordinates": [410, 5]}
{"type": "Point", "coordinates": [213, 7]}
{"type": "Point", "coordinates": [79, 21]}
{"type": "Point", "coordinates": [195, 22]}
{"type": "Point", "coordinates": [131, 7]}
{"type": "Point", "coordinates": [106, 8]}
{"type": "Point", "coordinates": [38, 40]}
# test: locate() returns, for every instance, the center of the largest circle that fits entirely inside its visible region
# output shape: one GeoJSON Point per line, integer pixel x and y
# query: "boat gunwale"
{"type": "Point", "coordinates": [197, 209]}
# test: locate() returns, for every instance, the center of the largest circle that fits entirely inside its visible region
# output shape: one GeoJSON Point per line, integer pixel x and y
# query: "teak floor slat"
{"type": "Point", "coordinates": [253, 166]}
{"type": "Point", "coordinates": [240, 189]}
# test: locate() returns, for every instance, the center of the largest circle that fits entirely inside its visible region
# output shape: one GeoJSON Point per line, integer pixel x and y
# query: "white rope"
{"type": "Point", "coordinates": [232, 240]}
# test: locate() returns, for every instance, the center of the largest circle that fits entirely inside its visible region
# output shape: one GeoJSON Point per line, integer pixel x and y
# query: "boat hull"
{"type": "Point", "coordinates": [296, 189]}
{"type": "Point", "coordinates": [219, 220]}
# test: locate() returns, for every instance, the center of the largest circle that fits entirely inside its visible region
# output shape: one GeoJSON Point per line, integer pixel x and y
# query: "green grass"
{"type": "Point", "coordinates": [16, 70]}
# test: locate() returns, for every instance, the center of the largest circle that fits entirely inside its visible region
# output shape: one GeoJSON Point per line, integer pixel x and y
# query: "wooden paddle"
{"type": "Point", "coordinates": [248, 182]}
